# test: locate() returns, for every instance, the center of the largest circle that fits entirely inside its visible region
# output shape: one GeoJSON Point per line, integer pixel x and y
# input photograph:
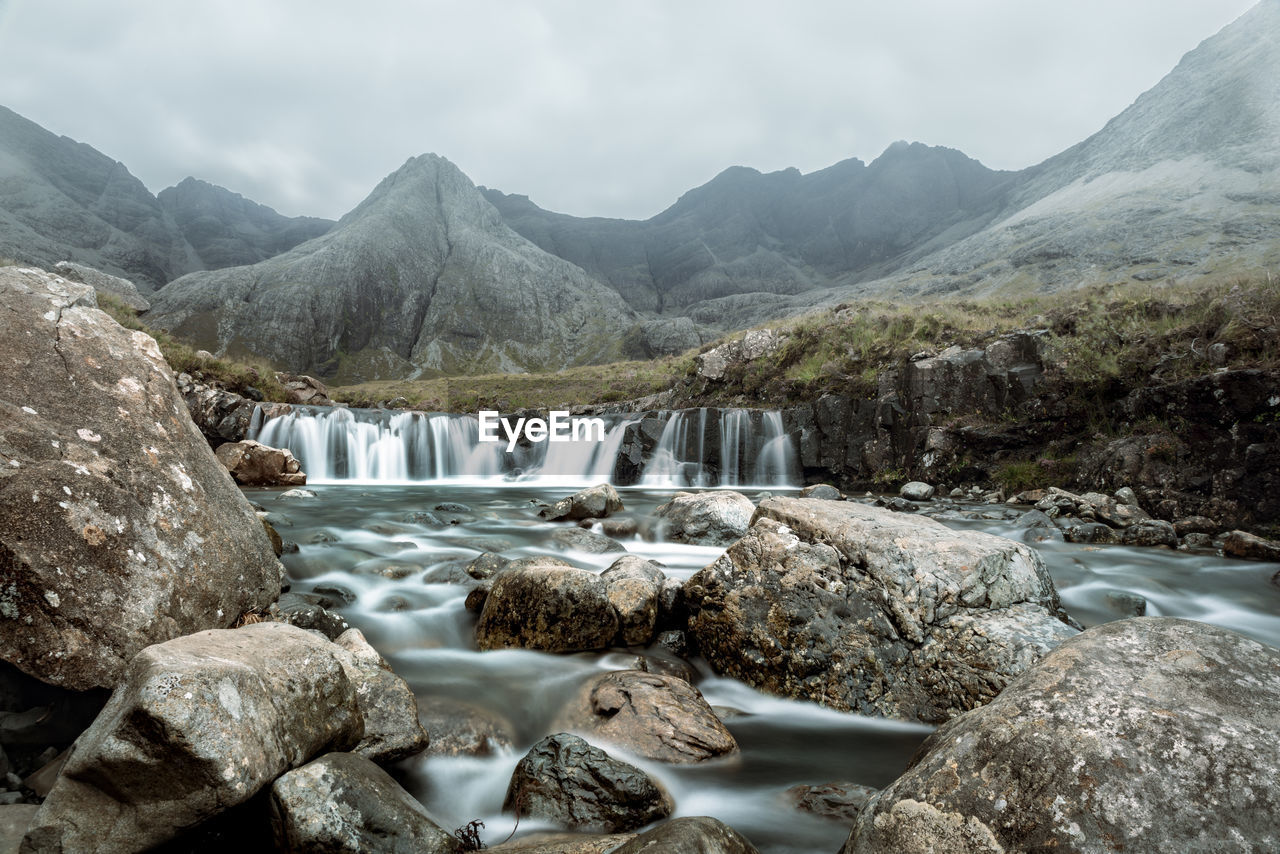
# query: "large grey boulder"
{"type": "Point", "coordinates": [547, 604]}
{"type": "Point", "coordinates": [1148, 734]}
{"type": "Point", "coordinates": [197, 725]}
{"type": "Point", "coordinates": [867, 610]}
{"type": "Point", "coordinates": [344, 804]}
{"type": "Point", "coordinates": [118, 528]}
{"type": "Point", "coordinates": [122, 289]}
{"type": "Point", "coordinates": [634, 587]}
{"type": "Point", "coordinates": [650, 715]}
{"type": "Point", "coordinates": [707, 518]}
{"type": "Point", "coordinates": [392, 730]}
{"type": "Point", "coordinates": [565, 780]}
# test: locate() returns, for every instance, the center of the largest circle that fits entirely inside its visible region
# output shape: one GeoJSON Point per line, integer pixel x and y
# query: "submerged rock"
{"type": "Point", "coordinates": [653, 716]}
{"type": "Point", "coordinates": [565, 780]}
{"type": "Point", "coordinates": [595, 502]}
{"type": "Point", "coordinates": [1149, 734]}
{"type": "Point", "coordinates": [342, 802]}
{"type": "Point", "coordinates": [197, 725]}
{"type": "Point", "coordinates": [707, 518]}
{"type": "Point", "coordinates": [838, 801]}
{"type": "Point", "coordinates": [867, 610]}
{"type": "Point", "coordinates": [118, 528]}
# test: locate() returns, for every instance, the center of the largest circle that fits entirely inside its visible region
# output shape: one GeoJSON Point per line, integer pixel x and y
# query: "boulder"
{"type": "Point", "coordinates": [197, 725]}
{"type": "Point", "coordinates": [343, 802]}
{"type": "Point", "coordinates": [303, 389]}
{"type": "Point", "coordinates": [866, 610]}
{"type": "Point", "coordinates": [916, 491]}
{"type": "Point", "coordinates": [707, 518]}
{"type": "Point", "coordinates": [1150, 532]}
{"type": "Point", "coordinates": [689, 835]}
{"type": "Point", "coordinates": [255, 464]}
{"type": "Point", "coordinates": [634, 587]}
{"type": "Point", "coordinates": [546, 604]}
{"type": "Point", "coordinates": [564, 843]}
{"type": "Point", "coordinates": [118, 528]}
{"type": "Point", "coordinates": [567, 781]}
{"type": "Point", "coordinates": [1148, 734]}
{"type": "Point", "coordinates": [582, 540]}
{"type": "Point", "coordinates": [595, 502]}
{"type": "Point", "coordinates": [103, 283]}
{"type": "Point", "coordinates": [821, 490]}
{"type": "Point", "coordinates": [715, 363]}
{"type": "Point", "coordinates": [650, 715]}
{"type": "Point", "coordinates": [458, 728]}
{"type": "Point", "coordinates": [388, 706]}
{"type": "Point", "coordinates": [1245, 545]}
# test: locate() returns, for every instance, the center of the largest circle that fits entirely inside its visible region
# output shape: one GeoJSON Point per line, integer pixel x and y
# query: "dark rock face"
{"type": "Point", "coordinates": [546, 604]}
{"type": "Point", "coordinates": [566, 780]}
{"type": "Point", "coordinates": [342, 802]}
{"type": "Point", "coordinates": [689, 835]}
{"type": "Point", "coordinates": [1145, 734]}
{"type": "Point", "coordinates": [63, 201]}
{"type": "Point", "coordinates": [197, 725]}
{"type": "Point", "coordinates": [421, 275]}
{"type": "Point", "coordinates": [227, 230]}
{"type": "Point", "coordinates": [657, 717]}
{"type": "Point", "coordinates": [868, 610]}
{"type": "Point", "coordinates": [109, 497]}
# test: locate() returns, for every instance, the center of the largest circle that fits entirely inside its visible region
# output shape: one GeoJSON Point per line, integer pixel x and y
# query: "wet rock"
{"type": "Point", "coordinates": [565, 780]}
{"type": "Point", "coordinates": [1125, 495]}
{"type": "Point", "coordinates": [546, 604]}
{"type": "Point", "coordinates": [634, 586]}
{"type": "Point", "coordinates": [486, 565]}
{"type": "Point", "coordinates": [255, 464]}
{"type": "Point", "coordinates": [1125, 604]}
{"type": "Point", "coordinates": [708, 518]}
{"type": "Point", "coordinates": [1091, 532]}
{"type": "Point", "coordinates": [672, 613]}
{"type": "Point", "coordinates": [297, 494]}
{"type": "Point", "coordinates": [342, 802]}
{"type": "Point", "coordinates": [1038, 527]}
{"type": "Point", "coordinates": [866, 610]}
{"type": "Point", "coordinates": [822, 490]}
{"type": "Point", "coordinates": [839, 801]}
{"type": "Point", "coordinates": [620, 528]}
{"type": "Point", "coordinates": [900, 505]}
{"type": "Point", "coordinates": [1149, 734]}
{"type": "Point", "coordinates": [689, 835]}
{"type": "Point", "coordinates": [564, 843]}
{"type": "Point", "coordinates": [593, 503]}
{"type": "Point", "coordinates": [1195, 541]}
{"type": "Point", "coordinates": [916, 491]}
{"type": "Point", "coordinates": [109, 496]}
{"type": "Point", "coordinates": [577, 539]}
{"type": "Point", "coordinates": [1150, 532]}
{"type": "Point", "coordinates": [388, 706]}
{"type": "Point", "coordinates": [666, 665]}
{"type": "Point", "coordinates": [197, 725]}
{"type": "Point", "coordinates": [14, 821]}
{"type": "Point", "coordinates": [1250, 546]}
{"type": "Point", "coordinates": [458, 728]}
{"type": "Point", "coordinates": [452, 507]}
{"type": "Point", "coordinates": [1195, 525]}
{"type": "Point", "coordinates": [277, 544]}
{"type": "Point", "coordinates": [652, 716]}
{"type": "Point", "coordinates": [312, 617]}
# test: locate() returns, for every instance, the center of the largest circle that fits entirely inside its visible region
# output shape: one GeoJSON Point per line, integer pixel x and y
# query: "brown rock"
{"type": "Point", "coordinates": [546, 604]}
{"type": "Point", "coordinates": [1250, 546]}
{"type": "Point", "coordinates": [255, 464]}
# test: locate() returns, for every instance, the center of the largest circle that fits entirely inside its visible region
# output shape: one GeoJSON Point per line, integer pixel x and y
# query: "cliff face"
{"type": "Point", "coordinates": [422, 276]}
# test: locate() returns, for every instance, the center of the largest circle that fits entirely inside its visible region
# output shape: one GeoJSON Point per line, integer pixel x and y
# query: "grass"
{"type": "Point", "coordinates": [231, 375]}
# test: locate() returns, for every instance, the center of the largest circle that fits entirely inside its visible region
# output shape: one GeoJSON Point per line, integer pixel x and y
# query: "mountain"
{"type": "Point", "coordinates": [226, 230]}
{"type": "Point", "coordinates": [777, 233]}
{"type": "Point", "coordinates": [62, 200]}
{"type": "Point", "coordinates": [422, 276]}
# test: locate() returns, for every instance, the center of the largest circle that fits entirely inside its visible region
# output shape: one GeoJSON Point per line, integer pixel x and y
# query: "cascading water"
{"type": "Point", "coordinates": [695, 448]}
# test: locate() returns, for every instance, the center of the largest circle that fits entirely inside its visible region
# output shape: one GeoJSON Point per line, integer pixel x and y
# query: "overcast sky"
{"type": "Point", "coordinates": [590, 107]}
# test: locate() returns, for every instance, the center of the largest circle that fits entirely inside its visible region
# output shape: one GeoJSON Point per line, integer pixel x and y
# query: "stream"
{"type": "Point", "coordinates": [396, 561]}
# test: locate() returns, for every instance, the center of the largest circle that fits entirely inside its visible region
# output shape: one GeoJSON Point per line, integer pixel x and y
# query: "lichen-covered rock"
{"type": "Point", "coordinates": [867, 610]}
{"type": "Point", "coordinates": [595, 502]}
{"type": "Point", "coordinates": [118, 528]}
{"type": "Point", "coordinates": [255, 464]}
{"type": "Point", "coordinates": [714, 363]}
{"type": "Point", "coordinates": [689, 835]}
{"type": "Point", "coordinates": [387, 704]}
{"type": "Point", "coordinates": [565, 780]}
{"type": "Point", "coordinates": [197, 725]}
{"type": "Point", "coordinates": [1148, 734]}
{"type": "Point", "coordinates": [546, 604]}
{"type": "Point", "coordinates": [654, 716]}
{"type": "Point", "coordinates": [634, 587]}
{"type": "Point", "coordinates": [708, 518]}
{"type": "Point", "coordinates": [344, 803]}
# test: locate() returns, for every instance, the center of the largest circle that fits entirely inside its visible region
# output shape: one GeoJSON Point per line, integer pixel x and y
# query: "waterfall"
{"type": "Point", "coordinates": [694, 448]}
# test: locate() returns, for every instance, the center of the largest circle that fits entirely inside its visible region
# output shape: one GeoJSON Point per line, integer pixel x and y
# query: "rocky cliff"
{"type": "Point", "coordinates": [422, 276]}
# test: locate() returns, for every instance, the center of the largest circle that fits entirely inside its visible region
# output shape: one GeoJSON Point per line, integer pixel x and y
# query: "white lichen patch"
{"type": "Point", "coordinates": [52, 598]}
{"type": "Point", "coordinates": [182, 477]}
{"type": "Point", "coordinates": [88, 435]}
{"type": "Point", "coordinates": [29, 410]}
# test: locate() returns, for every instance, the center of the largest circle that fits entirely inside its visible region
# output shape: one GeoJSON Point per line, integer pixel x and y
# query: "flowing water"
{"type": "Point", "coordinates": [394, 550]}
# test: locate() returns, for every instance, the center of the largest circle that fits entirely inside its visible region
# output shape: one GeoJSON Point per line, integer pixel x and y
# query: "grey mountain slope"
{"type": "Point", "coordinates": [63, 200]}
{"type": "Point", "coordinates": [777, 233]}
{"type": "Point", "coordinates": [227, 230]}
{"type": "Point", "coordinates": [423, 275]}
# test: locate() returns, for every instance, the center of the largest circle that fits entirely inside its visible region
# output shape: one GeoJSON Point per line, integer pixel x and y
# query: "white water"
{"type": "Point", "coordinates": [697, 448]}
